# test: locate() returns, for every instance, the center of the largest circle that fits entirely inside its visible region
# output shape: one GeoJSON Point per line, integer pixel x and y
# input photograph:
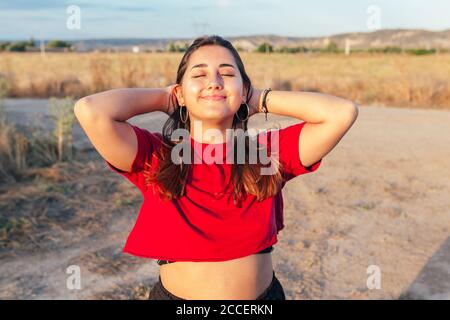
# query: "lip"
{"type": "Point", "coordinates": [214, 97]}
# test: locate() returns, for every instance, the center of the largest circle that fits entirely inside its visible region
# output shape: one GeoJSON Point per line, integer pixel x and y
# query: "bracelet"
{"type": "Point", "coordinates": [264, 104]}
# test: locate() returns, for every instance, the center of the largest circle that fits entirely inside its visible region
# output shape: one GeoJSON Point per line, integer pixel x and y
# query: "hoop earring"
{"type": "Point", "coordinates": [248, 113]}
{"type": "Point", "coordinates": [181, 115]}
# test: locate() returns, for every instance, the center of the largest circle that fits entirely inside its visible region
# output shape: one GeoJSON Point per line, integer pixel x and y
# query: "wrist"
{"type": "Point", "coordinates": [168, 99]}
{"type": "Point", "coordinates": [263, 103]}
{"type": "Point", "coordinates": [255, 100]}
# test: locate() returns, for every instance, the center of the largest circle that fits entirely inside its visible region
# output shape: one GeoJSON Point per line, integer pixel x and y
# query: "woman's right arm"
{"type": "Point", "coordinates": [123, 104]}
{"type": "Point", "coordinates": [103, 117]}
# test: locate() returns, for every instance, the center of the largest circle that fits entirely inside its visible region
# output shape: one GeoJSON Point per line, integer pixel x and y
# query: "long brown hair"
{"type": "Point", "coordinates": [171, 178]}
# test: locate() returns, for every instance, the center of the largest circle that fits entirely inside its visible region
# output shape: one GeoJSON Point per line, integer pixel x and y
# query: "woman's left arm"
{"type": "Point", "coordinates": [327, 118]}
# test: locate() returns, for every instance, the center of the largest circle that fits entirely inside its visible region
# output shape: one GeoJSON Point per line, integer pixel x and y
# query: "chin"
{"type": "Point", "coordinates": [219, 116]}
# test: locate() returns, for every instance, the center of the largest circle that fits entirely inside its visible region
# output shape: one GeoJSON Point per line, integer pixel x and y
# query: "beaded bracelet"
{"type": "Point", "coordinates": [264, 104]}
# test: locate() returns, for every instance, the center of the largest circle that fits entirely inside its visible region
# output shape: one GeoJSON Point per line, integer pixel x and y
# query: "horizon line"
{"type": "Point", "coordinates": [237, 36]}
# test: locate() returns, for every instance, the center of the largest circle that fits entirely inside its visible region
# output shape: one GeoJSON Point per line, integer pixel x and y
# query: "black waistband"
{"type": "Point", "coordinates": [266, 250]}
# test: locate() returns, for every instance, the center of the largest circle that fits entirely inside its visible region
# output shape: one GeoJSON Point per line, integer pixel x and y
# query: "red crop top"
{"type": "Point", "coordinates": [201, 226]}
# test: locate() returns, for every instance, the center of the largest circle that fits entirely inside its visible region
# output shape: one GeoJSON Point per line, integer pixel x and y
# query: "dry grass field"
{"type": "Point", "coordinates": [400, 80]}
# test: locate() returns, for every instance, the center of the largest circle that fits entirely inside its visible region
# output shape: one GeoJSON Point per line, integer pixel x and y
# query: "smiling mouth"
{"type": "Point", "coordinates": [214, 98]}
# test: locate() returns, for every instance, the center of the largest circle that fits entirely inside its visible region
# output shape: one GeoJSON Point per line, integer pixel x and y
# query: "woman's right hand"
{"type": "Point", "coordinates": [171, 99]}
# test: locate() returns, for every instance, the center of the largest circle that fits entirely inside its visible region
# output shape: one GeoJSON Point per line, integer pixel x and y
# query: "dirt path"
{"type": "Point", "coordinates": [380, 198]}
{"type": "Point", "coordinates": [103, 269]}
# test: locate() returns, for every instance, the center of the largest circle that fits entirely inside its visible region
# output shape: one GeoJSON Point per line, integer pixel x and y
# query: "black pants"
{"type": "Point", "coordinates": [273, 292]}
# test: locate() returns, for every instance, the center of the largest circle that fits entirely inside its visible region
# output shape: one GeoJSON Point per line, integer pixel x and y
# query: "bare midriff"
{"type": "Point", "coordinates": [244, 278]}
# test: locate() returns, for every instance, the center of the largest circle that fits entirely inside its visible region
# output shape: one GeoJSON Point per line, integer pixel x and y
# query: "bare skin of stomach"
{"type": "Point", "coordinates": [244, 278]}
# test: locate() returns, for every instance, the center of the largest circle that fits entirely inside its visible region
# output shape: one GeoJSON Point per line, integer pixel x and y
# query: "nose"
{"type": "Point", "coordinates": [215, 82]}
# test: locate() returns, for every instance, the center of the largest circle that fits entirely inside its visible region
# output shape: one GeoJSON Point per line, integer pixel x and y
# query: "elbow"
{"type": "Point", "coordinates": [83, 109]}
{"type": "Point", "coordinates": [351, 111]}
{"type": "Point", "coordinates": [355, 110]}
{"type": "Point", "coordinates": [79, 108]}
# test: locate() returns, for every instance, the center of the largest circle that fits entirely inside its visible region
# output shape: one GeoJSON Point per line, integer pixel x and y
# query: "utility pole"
{"type": "Point", "coordinates": [200, 26]}
{"type": "Point", "coordinates": [347, 46]}
{"type": "Point", "coordinates": [42, 47]}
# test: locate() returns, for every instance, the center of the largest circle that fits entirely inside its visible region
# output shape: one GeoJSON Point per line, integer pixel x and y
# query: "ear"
{"type": "Point", "coordinates": [179, 95]}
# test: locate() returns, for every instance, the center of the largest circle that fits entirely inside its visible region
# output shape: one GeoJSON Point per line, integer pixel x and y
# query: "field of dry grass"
{"type": "Point", "coordinates": [388, 79]}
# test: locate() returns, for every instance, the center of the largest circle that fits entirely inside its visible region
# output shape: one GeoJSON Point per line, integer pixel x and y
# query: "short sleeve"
{"type": "Point", "coordinates": [147, 144]}
{"type": "Point", "coordinates": [285, 143]}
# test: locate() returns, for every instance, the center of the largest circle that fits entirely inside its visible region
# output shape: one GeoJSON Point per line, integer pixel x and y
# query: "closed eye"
{"type": "Point", "coordinates": [202, 75]}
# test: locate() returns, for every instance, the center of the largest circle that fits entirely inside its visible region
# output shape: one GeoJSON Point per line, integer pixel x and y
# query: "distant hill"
{"type": "Point", "coordinates": [404, 38]}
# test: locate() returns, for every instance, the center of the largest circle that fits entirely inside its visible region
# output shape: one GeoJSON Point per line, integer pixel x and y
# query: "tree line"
{"type": "Point", "coordinates": [265, 47]}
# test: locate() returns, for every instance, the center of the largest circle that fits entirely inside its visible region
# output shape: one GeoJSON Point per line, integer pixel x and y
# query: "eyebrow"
{"type": "Point", "coordinates": [202, 65]}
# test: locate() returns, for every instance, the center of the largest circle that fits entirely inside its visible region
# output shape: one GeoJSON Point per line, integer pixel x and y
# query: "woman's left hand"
{"type": "Point", "coordinates": [253, 104]}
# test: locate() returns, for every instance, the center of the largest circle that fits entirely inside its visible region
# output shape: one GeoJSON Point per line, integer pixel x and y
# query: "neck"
{"type": "Point", "coordinates": [211, 132]}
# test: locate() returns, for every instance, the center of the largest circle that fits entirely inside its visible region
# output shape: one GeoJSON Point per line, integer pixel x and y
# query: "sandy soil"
{"type": "Point", "coordinates": [381, 197]}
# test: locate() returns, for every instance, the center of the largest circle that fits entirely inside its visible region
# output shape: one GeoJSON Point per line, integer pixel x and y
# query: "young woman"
{"type": "Point", "coordinates": [211, 226]}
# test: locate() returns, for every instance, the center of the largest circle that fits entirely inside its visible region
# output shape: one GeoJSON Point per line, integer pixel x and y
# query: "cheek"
{"type": "Point", "coordinates": [234, 87]}
{"type": "Point", "coordinates": [193, 90]}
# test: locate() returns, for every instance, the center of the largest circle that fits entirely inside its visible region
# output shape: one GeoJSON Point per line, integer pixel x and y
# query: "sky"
{"type": "Point", "coordinates": [70, 20]}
